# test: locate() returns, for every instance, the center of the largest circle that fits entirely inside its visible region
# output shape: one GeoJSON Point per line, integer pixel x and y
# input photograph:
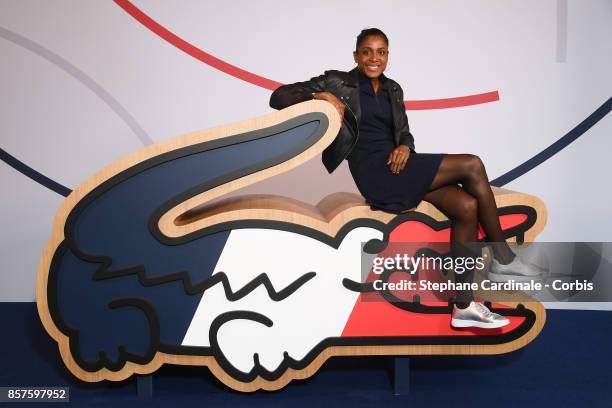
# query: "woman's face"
{"type": "Point", "coordinates": [372, 55]}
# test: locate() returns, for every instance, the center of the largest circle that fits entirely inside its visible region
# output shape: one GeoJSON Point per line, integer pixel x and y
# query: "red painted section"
{"type": "Point", "coordinates": [270, 84]}
{"type": "Point", "coordinates": [415, 231]}
{"type": "Point", "coordinates": [374, 316]}
{"type": "Point", "coordinates": [511, 220]}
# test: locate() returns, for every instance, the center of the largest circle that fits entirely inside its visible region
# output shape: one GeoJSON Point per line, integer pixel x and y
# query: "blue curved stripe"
{"type": "Point", "coordinates": [500, 181]}
{"type": "Point", "coordinates": [33, 174]}
{"type": "Point", "coordinates": [556, 147]}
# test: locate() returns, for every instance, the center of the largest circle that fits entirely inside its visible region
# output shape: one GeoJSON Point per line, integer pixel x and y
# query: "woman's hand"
{"type": "Point", "coordinates": [397, 158]}
{"type": "Point", "coordinates": [331, 98]}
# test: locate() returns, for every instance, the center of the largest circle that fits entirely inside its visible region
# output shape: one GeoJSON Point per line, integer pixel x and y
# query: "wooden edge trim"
{"type": "Point", "coordinates": [328, 216]}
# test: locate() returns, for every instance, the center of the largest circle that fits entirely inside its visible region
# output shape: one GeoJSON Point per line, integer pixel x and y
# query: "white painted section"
{"type": "Point", "coordinates": [317, 310]}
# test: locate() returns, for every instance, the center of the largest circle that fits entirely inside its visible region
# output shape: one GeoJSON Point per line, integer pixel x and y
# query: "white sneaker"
{"type": "Point", "coordinates": [517, 270]}
{"type": "Point", "coordinates": [477, 315]}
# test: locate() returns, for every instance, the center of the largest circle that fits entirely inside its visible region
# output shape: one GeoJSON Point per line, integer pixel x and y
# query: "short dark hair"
{"type": "Point", "coordinates": [366, 32]}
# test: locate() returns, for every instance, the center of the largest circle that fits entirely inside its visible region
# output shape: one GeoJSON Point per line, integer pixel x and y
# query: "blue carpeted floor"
{"type": "Point", "coordinates": [568, 365]}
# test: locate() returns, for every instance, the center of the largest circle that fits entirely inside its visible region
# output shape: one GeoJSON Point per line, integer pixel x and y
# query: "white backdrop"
{"type": "Point", "coordinates": [84, 83]}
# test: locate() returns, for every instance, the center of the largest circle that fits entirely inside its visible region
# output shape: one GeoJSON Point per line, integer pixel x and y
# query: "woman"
{"type": "Point", "coordinates": [392, 176]}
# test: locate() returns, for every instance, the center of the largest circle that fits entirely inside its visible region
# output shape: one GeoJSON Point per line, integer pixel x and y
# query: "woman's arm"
{"type": "Point", "coordinates": [291, 94]}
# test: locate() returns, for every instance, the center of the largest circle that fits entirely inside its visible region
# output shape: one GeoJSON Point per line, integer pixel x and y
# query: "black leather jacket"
{"type": "Point", "coordinates": [345, 86]}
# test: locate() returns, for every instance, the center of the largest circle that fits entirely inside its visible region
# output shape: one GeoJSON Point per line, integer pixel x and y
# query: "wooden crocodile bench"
{"type": "Point", "coordinates": [148, 264]}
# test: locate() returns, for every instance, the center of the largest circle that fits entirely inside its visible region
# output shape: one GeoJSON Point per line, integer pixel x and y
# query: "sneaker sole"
{"type": "Point", "coordinates": [502, 277]}
{"type": "Point", "coordinates": [459, 323]}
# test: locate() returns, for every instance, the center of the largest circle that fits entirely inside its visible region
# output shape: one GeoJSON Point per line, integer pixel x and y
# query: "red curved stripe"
{"type": "Point", "coordinates": [194, 51]}
{"type": "Point", "coordinates": [266, 83]}
{"type": "Point", "coordinates": [456, 102]}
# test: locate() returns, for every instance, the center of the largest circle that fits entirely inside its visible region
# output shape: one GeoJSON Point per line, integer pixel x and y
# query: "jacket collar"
{"type": "Point", "coordinates": [353, 80]}
{"type": "Point", "coordinates": [365, 84]}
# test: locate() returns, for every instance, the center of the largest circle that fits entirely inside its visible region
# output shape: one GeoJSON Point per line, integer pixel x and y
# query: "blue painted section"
{"type": "Point", "coordinates": [84, 307]}
{"type": "Point", "coordinates": [115, 225]}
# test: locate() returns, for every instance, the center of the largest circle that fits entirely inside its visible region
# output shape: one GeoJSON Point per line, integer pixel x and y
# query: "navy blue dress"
{"type": "Point", "coordinates": [368, 161]}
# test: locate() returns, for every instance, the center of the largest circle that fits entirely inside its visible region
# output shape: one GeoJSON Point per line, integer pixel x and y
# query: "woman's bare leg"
{"type": "Point", "coordinates": [469, 170]}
